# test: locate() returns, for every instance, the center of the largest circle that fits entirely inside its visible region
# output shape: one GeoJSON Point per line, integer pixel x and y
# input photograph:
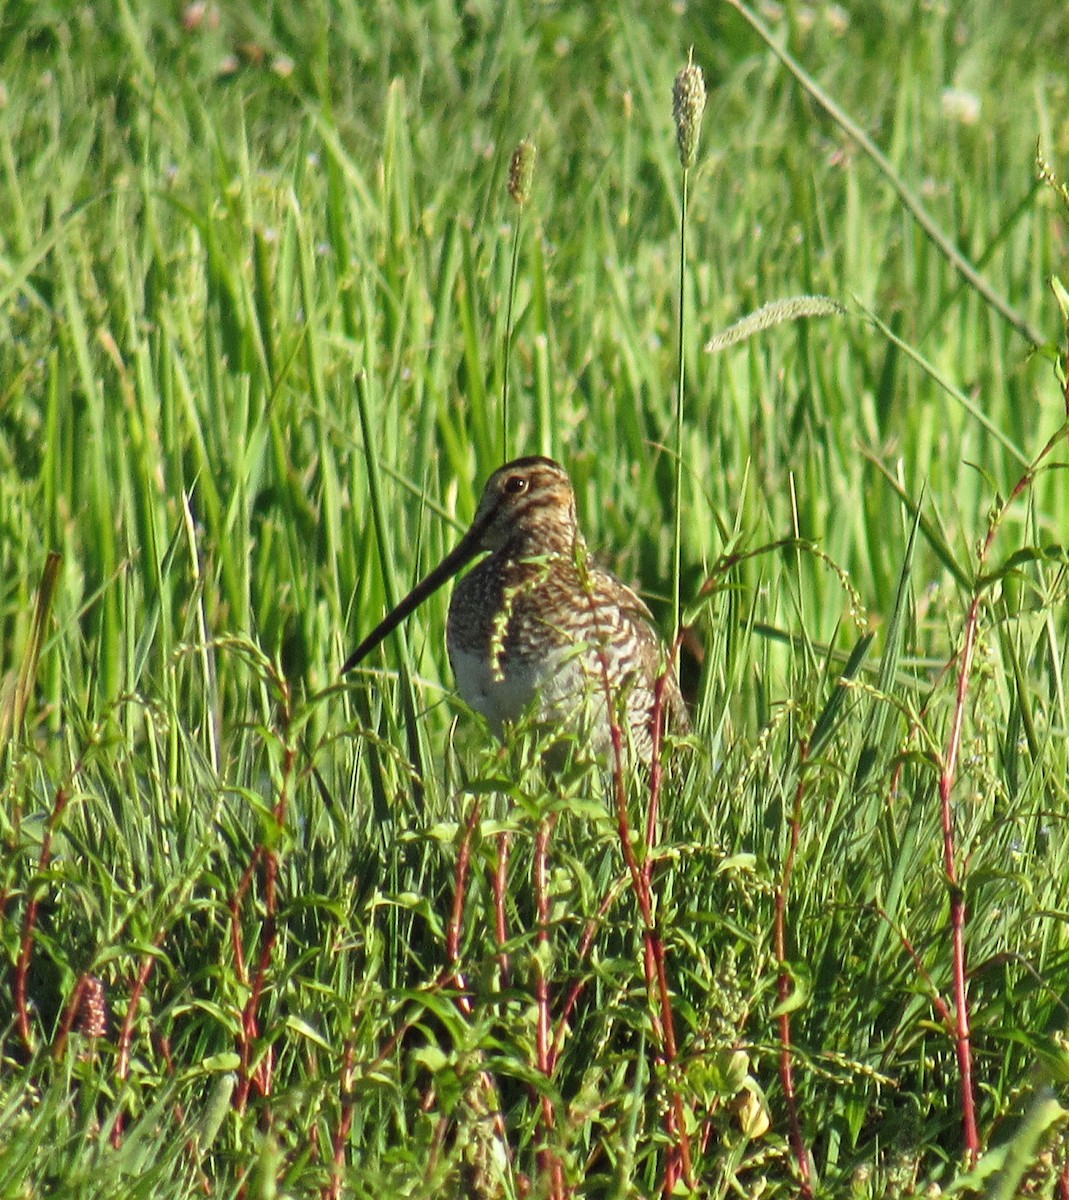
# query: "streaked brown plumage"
{"type": "Point", "coordinates": [538, 618]}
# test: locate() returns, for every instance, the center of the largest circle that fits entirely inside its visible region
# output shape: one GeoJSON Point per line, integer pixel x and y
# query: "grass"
{"type": "Point", "coordinates": [254, 281]}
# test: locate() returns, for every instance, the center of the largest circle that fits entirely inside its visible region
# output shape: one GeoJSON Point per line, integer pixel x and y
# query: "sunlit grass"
{"type": "Point", "coordinates": [254, 282]}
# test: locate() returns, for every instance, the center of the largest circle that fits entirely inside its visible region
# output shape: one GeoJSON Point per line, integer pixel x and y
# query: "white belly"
{"type": "Point", "coordinates": [569, 693]}
{"type": "Point", "coordinates": [497, 695]}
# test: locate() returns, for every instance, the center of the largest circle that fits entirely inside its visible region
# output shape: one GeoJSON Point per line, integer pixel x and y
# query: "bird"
{"type": "Point", "coordinates": [539, 624]}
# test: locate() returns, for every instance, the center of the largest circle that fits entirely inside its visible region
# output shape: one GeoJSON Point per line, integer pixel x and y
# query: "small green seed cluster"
{"type": "Point", "coordinates": [521, 171]}
{"type": "Point", "coordinates": [688, 104]}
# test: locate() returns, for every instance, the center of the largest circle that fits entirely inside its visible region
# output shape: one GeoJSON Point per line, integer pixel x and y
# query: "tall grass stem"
{"type": "Point", "coordinates": [677, 547]}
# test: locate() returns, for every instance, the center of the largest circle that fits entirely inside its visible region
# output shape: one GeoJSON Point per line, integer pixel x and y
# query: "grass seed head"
{"type": "Point", "coordinates": [688, 104]}
{"type": "Point", "coordinates": [93, 1010]}
{"type": "Point", "coordinates": [521, 171]}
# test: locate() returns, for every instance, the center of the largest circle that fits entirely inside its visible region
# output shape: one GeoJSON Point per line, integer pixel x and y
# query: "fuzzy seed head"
{"type": "Point", "coordinates": [93, 1010]}
{"type": "Point", "coordinates": [521, 171]}
{"type": "Point", "coordinates": [688, 104]}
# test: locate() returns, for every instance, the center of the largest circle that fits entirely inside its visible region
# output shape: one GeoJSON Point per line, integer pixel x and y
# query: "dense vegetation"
{"type": "Point", "coordinates": [266, 932]}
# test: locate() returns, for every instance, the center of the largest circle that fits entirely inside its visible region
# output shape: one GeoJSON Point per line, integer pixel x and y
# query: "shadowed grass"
{"type": "Point", "coordinates": [208, 232]}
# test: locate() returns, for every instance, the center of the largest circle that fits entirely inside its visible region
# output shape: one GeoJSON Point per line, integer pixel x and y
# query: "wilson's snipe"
{"type": "Point", "coordinates": [539, 618]}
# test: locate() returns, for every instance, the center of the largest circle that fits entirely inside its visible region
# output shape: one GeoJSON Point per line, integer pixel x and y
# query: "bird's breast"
{"type": "Point", "coordinates": [504, 641]}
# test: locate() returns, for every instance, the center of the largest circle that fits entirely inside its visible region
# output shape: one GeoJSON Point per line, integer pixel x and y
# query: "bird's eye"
{"type": "Point", "coordinates": [515, 484]}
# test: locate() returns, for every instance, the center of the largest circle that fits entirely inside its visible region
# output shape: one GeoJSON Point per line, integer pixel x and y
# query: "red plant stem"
{"type": "Point", "coordinates": [501, 874]}
{"type": "Point", "coordinates": [163, 1043]}
{"type": "Point", "coordinates": [333, 1190]}
{"type": "Point", "coordinates": [69, 1014]}
{"type": "Point", "coordinates": [654, 946]}
{"type": "Point", "coordinates": [122, 1062]}
{"type": "Point", "coordinates": [148, 961]}
{"type": "Point", "coordinates": [545, 832]}
{"type": "Point", "coordinates": [453, 976]}
{"type": "Point", "coordinates": [958, 1021]}
{"type": "Point", "coordinates": [947, 777]}
{"type": "Point", "coordinates": [784, 987]}
{"type": "Point", "coordinates": [947, 780]}
{"type": "Point", "coordinates": [574, 992]}
{"type": "Point", "coordinates": [236, 902]}
{"type": "Point", "coordinates": [938, 1003]}
{"type": "Point", "coordinates": [456, 919]}
{"type": "Point", "coordinates": [263, 1076]}
{"type": "Point", "coordinates": [623, 828]}
{"type": "Point", "coordinates": [249, 1028]}
{"type": "Point", "coordinates": [549, 1164]}
{"type": "Point", "coordinates": [656, 774]}
{"type": "Point", "coordinates": [677, 1162]}
{"type": "Point", "coordinates": [22, 969]}
{"type": "Point", "coordinates": [395, 1038]}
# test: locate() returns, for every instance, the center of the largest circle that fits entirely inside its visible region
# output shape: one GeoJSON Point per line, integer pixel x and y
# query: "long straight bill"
{"type": "Point", "coordinates": [453, 562]}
